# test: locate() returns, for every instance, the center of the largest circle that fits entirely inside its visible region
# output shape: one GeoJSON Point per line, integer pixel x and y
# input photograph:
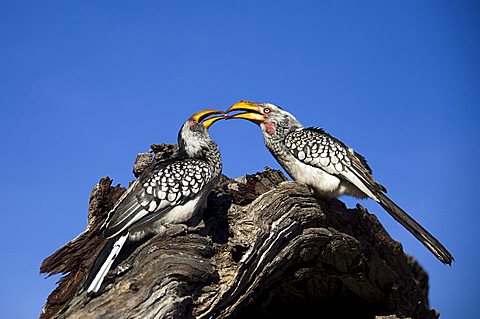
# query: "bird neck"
{"type": "Point", "coordinates": [208, 153]}
{"type": "Point", "coordinates": [213, 158]}
{"type": "Point", "coordinates": [278, 132]}
{"type": "Point", "coordinates": [275, 142]}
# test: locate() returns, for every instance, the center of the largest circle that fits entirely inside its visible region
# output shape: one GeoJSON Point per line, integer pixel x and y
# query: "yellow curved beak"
{"type": "Point", "coordinates": [208, 122]}
{"type": "Point", "coordinates": [244, 106]}
{"type": "Point", "coordinates": [200, 117]}
{"type": "Point", "coordinates": [252, 114]}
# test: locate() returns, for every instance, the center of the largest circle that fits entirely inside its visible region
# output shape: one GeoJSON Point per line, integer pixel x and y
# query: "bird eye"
{"type": "Point", "coordinates": [266, 110]}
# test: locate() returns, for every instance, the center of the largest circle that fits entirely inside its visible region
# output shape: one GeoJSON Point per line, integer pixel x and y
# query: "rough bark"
{"type": "Point", "coordinates": [266, 247]}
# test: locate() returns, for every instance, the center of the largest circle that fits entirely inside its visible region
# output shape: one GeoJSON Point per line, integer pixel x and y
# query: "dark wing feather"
{"type": "Point", "coordinates": [315, 147]}
{"type": "Point", "coordinates": [160, 188]}
{"type": "Point", "coordinates": [317, 131]}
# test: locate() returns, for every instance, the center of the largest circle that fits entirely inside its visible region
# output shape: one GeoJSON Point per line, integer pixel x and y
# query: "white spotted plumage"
{"type": "Point", "coordinates": [313, 157]}
{"type": "Point", "coordinates": [168, 192]}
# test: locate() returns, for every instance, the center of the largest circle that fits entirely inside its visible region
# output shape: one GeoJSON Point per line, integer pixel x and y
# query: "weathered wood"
{"type": "Point", "coordinates": [265, 247]}
{"type": "Point", "coordinates": [75, 257]}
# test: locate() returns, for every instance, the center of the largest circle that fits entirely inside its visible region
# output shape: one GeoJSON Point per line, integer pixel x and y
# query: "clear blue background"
{"type": "Point", "coordinates": [86, 85]}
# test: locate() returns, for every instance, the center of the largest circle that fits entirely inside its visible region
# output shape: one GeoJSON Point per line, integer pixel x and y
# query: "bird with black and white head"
{"type": "Point", "coordinates": [170, 191]}
{"type": "Point", "coordinates": [313, 157]}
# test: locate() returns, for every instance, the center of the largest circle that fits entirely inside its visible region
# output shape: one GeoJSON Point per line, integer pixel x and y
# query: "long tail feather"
{"type": "Point", "coordinates": [96, 283]}
{"type": "Point", "coordinates": [415, 229]}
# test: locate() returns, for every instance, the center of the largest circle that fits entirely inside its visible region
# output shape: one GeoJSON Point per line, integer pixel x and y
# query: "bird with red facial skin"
{"type": "Point", "coordinates": [313, 157]}
{"type": "Point", "coordinates": [170, 191]}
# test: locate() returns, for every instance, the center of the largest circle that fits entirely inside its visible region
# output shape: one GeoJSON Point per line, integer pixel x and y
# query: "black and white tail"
{"type": "Point", "coordinates": [103, 263]}
{"type": "Point", "coordinates": [415, 229]}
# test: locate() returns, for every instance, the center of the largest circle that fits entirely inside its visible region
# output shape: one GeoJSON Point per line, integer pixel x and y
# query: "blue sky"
{"type": "Point", "coordinates": [86, 85]}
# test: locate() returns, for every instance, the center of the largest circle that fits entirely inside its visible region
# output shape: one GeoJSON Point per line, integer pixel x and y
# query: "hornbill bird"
{"type": "Point", "coordinates": [313, 157]}
{"type": "Point", "coordinates": [167, 192]}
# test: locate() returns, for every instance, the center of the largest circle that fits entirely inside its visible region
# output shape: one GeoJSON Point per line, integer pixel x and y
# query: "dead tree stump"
{"type": "Point", "coordinates": [266, 247]}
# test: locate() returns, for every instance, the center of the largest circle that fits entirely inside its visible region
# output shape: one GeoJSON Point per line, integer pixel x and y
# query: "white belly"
{"type": "Point", "coordinates": [180, 214]}
{"type": "Point", "coordinates": [322, 182]}
{"type": "Point", "coordinates": [177, 215]}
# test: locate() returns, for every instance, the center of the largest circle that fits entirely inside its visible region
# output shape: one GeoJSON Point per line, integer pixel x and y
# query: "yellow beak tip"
{"type": "Point", "coordinates": [208, 122]}
{"type": "Point", "coordinates": [201, 115]}
{"type": "Point", "coordinates": [244, 105]}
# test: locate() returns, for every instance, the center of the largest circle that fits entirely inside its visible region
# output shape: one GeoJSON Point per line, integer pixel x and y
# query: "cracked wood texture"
{"type": "Point", "coordinates": [265, 247]}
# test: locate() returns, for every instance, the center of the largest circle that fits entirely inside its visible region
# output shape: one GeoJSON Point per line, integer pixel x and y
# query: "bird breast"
{"type": "Point", "coordinates": [323, 183]}
{"type": "Point", "coordinates": [177, 215]}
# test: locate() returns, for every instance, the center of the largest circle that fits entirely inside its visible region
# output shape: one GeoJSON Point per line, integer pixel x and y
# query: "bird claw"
{"type": "Point", "coordinates": [196, 228]}
{"type": "Point", "coordinates": [173, 230]}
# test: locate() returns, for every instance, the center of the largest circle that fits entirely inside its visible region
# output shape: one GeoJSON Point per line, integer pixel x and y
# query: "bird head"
{"type": "Point", "coordinates": [272, 119]}
{"type": "Point", "coordinates": [193, 137]}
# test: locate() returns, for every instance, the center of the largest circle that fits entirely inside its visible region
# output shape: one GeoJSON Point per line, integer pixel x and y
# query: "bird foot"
{"type": "Point", "coordinates": [196, 228]}
{"type": "Point", "coordinates": [173, 230]}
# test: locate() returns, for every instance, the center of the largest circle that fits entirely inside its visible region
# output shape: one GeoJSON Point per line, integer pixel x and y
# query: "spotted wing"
{"type": "Point", "coordinates": [317, 148]}
{"type": "Point", "coordinates": [157, 190]}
